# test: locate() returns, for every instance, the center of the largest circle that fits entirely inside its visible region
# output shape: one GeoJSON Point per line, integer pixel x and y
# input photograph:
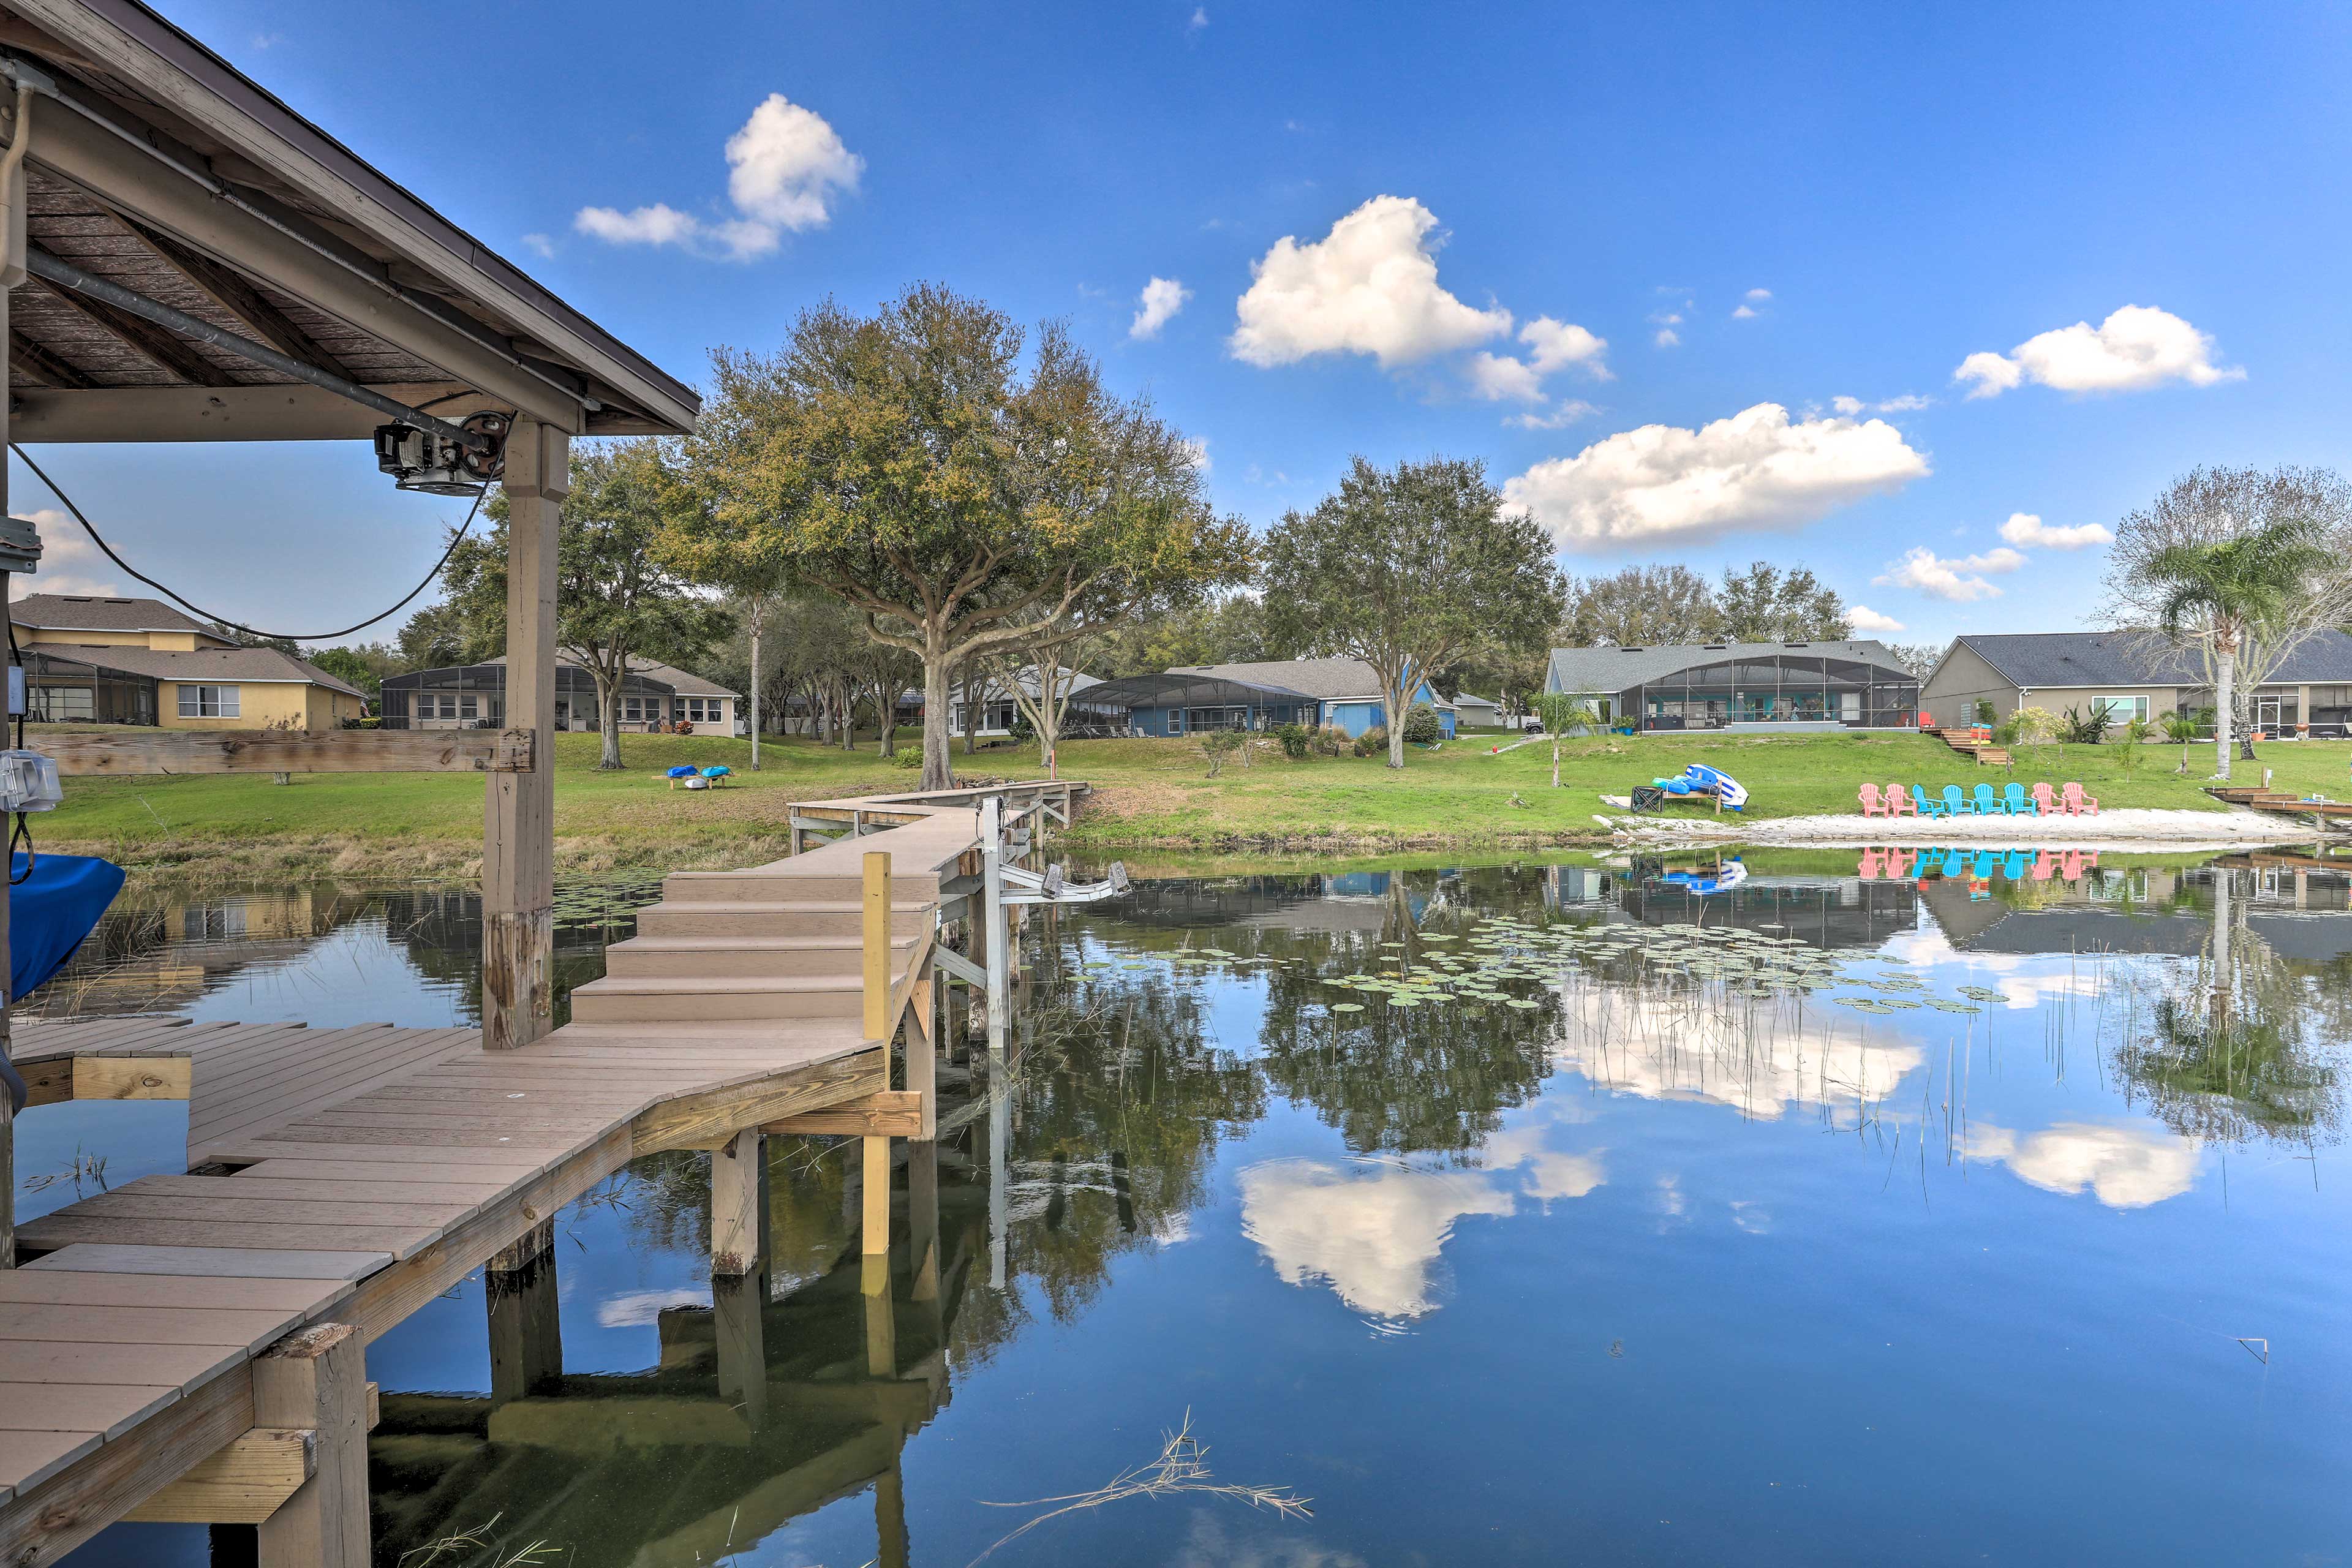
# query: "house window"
{"type": "Point", "coordinates": [469, 708]}
{"type": "Point", "coordinates": [633, 709]}
{"type": "Point", "coordinates": [703, 710]}
{"type": "Point", "coordinates": [2122, 709]}
{"type": "Point", "coordinates": [208, 702]}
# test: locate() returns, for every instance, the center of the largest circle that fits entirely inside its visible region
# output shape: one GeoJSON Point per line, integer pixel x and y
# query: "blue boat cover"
{"type": "Point", "coordinates": [52, 910]}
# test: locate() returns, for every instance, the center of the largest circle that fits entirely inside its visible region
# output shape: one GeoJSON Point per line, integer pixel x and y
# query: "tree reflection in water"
{"type": "Point", "coordinates": [2242, 1046]}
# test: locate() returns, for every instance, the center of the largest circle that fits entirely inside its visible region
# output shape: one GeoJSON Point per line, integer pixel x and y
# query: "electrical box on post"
{"type": "Point", "coordinates": [20, 545]}
{"type": "Point", "coordinates": [15, 691]}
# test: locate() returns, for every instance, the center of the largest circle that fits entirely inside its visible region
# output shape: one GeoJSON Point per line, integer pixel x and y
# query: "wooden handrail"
{"type": "Point", "coordinates": [123, 753]}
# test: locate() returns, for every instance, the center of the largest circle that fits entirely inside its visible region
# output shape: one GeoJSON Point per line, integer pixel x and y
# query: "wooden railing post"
{"type": "Point", "coordinates": [877, 945]}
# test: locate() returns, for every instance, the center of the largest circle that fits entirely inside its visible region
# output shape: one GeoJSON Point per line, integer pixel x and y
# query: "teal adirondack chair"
{"type": "Point", "coordinates": [2019, 803]}
{"type": "Point", "coordinates": [1989, 804]}
{"type": "Point", "coordinates": [1955, 804]}
{"type": "Point", "coordinates": [1929, 805]}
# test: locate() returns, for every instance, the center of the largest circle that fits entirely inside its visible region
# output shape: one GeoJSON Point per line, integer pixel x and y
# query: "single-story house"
{"type": "Point", "coordinates": [2138, 672]}
{"type": "Point", "coordinates": [1765, 686]}
{"type": "Point", "coordinates": [1000, 709]}
{"type": "Point", "coordinates": [1179, 704]}
{"type": "Point", "coordinates": [1475, 712]}
{"type": "Point", "coordinates": [90, 659]}
{"type": "Point", "coordinates": [1346, 691]}
{"type": "Point", "coordinates": [473, 696]}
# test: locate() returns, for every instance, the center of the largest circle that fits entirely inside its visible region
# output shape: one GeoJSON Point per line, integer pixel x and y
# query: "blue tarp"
{"type": "Point", "coordinates": [50, 911]}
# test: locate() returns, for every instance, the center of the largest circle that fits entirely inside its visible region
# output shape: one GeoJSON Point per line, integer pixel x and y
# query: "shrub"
{"type": "Point", "coordinates": [1984, 710]}
{"type": "Point", "coordinates": [1420, 725]}
{"type": "Point", "coordinates": [2082, 729]}
{"type": "Point", "coordinates": [1217, 744]}
{"type": "Point", "coordinates": [1293, 739]}
{"type": "Point", "coordinates": [1373, 742]}
{"type": "Point", "coordinates": [906, 757]}
{"type": "Point", "coordinates": [1330, 741]}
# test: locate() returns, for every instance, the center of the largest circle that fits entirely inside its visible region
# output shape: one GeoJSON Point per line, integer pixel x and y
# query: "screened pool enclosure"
{"type": "Point", "coordinates": [1855, 685]}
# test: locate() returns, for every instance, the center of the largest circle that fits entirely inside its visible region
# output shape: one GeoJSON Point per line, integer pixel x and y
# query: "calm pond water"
{"type": "Point", "coordinates": [1803, 1209]}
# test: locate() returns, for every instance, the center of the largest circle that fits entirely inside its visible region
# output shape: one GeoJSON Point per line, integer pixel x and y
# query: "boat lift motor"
{"type": "Point", "coordinates": [1051, 887]}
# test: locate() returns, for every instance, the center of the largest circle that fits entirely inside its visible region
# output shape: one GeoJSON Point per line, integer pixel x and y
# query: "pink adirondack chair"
{"type": "Point", "coordinates": [1871, 804]}
{"type": "Point", "coordinates": [2078, 804]}
{"type": "Point", "coordinates": [1867, 868]}
{"type": "Point", "coordinates": [1898, 801]}
{"type": "Point", "coordinates": [2043, 864]}
{"type": "Point", "coordinates": [2070, 866]}
{"type": "Point", "coordinates": [2045, 803]}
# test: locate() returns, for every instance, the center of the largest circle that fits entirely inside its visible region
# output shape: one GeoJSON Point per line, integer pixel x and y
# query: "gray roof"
{"type": "Point", "coordinates": [1471, 699]}
{"type": "Point", "coordinates": [204, 664]}
{"type": "Point", "coordinates": [94, 612]}
{"type": "Point", "coordinates": [2140, 659]}
{"type": "Point", "coordinates": [1608, 668]}
{"type": "Point", "coordinates": [683, 682]}
{"type": "Point", "coordinates": [1328, 679]}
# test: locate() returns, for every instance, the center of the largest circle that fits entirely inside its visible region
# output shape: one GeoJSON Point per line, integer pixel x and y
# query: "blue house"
{"type": "Point", "coordinates": [1346, 692]}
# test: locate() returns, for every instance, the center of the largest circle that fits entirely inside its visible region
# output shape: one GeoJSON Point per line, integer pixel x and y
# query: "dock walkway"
{"type": "Point", "coordinates": [356, 1175]}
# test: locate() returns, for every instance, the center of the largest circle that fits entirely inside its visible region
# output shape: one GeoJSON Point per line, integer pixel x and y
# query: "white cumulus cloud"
{"type": "Point", "coordinates": [1908, 403]}
{"type": "Point", "coordinates": [1757, 469]}
{"type": "Point", "coordinates": [1157, 305]}
{"type": "Point", "coordinates": [1743, 313]}
{"type": "Point", "coordinates": [2025, 529]}
{"type": "Point", "coordinates": [1368, 287]}
{"type": "Point", "coordinates": [1496, 377]}
{"type": "Point", "coordinates": [1667, 337]}
{"type": "Point", "coordinates": [787, 165]}
{"type": "Point", "coordinates": [1759, 295]}
{"type": "Point", "coordinates": [1960, 579]}
{"type": "Point", "coordinates": [2139, 346]}
{"type": "Point", "coordinates": [1559, 416]}
{"type": "Point", "coordinates": [1866, 619]}
{"type": "Point", "coordinates": [1558, 344]}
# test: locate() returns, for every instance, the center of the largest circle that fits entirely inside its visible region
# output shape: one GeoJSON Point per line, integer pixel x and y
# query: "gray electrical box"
{"type": "Point", "coordinates": [20, 545]}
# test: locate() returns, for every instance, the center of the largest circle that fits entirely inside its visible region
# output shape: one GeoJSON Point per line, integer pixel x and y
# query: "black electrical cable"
{"type": "Point", "coordinates": [23, 830]}
{"type": "Point", "coordinates": [107, 550]}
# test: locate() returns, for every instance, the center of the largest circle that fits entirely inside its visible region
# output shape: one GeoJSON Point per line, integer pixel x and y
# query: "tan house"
{"type": "Point", "coordinates": [91, 659]}
{"type": "Point", "coordinates": [2137, 675]}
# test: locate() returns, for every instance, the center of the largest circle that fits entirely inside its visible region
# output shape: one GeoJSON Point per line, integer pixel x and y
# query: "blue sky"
{"type": "Point", "coordinates": [1357, 203]}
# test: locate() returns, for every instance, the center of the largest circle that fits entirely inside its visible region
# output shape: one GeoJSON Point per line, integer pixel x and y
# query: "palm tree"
{"type": "Point", "coordinates": [2228, 589]}
{"type": "Point", "coordinates": [2183, 727]}
{"type": "Point", "coordinates": [1560, 713]}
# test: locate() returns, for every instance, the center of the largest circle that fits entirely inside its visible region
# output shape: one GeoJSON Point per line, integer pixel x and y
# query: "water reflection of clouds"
{"type": "Point", "coordinates": [1761, 1059]}
{"type": "Point", "coordinates": [1372, 1230]}
{"type": "Point", "coordinates": [2123, 1167]}
{"type": "Point", "coordinates": [1208, 1545]}
{"type": "Point", "coordinates": [636, 1309]}
{"type": "Point", "coordinates": [2025, 980]}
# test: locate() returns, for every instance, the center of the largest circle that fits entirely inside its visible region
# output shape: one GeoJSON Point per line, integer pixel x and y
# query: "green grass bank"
{"type": "Point", "coordinates": [1150, 794]}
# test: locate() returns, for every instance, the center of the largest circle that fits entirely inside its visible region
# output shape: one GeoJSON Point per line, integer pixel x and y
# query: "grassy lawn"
{"type": "Point", "coordinates": [1151, 794]}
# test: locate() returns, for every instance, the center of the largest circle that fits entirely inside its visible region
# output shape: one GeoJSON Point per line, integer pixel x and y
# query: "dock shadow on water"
{"type": "Point", "coordinates": [1792, 1208]}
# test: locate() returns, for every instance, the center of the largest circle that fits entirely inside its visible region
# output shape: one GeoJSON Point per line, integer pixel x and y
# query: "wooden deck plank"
{"type": "Point", "coordinates": [65, 1229]}
{"type": "Point", "coordinates": [294, 1167]}
{"type": "Point", "coordinates": [516, 1164]}
{"type": "Point", "coordinates": [49, 1285]}
{"type": "Point", "coordinates": [28, 1459]}
{"type": "Point", "coordinates": [131, 1203]}
{"type": "Point", "coordinates": [148, 1366]}
{"type": "Point", "coordinates": [227, 1262]}
{"type": "Point", "coordinates": [103, 1409]}
{"type": "Point", "coordinates": [248, 1329]}
{"type": "Point", "coordinates": [356, 1189]}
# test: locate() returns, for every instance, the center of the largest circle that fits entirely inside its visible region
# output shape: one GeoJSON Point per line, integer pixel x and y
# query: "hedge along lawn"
{"type": "Point", "coordinates": [1151, 794]}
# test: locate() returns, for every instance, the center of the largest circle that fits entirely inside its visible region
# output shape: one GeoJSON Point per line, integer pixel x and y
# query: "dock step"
{"type": "Point", "coordinates": [748, 957]}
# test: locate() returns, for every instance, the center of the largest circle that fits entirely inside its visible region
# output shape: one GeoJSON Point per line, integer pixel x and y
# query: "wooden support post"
{"type": "Point", "coordinates": [739, 1180]}
{"type": "Point", "coordinates": [877, 1177]}
{"type": "Point", "coordinates": [876, 905]}
{"type": "Point", "coordinates": [923, 1216]}
{"type": "Point", "coordinates": [526, 1328]}
{"type": "Point", "coordinates": [738, 1304]}
{"type": "Point", "coordinates": [1000, 1200]}
{"type": "Point", "coordinates": [518, 823]}
{"type": "Point", "coordinates": [881, 1330]}
{"type": "Point", "coordinates": [992, 859]}
{"type": "Point", "coordinates": [890, 1515]}
{"type": "Point", "coordinates": [318, 1379]}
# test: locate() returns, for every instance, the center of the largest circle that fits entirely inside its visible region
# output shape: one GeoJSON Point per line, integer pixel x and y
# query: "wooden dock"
{"type": "Point", "coordinates": [191, 1347]}
{"type": "Point", "coordinates": [2281, 801]}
